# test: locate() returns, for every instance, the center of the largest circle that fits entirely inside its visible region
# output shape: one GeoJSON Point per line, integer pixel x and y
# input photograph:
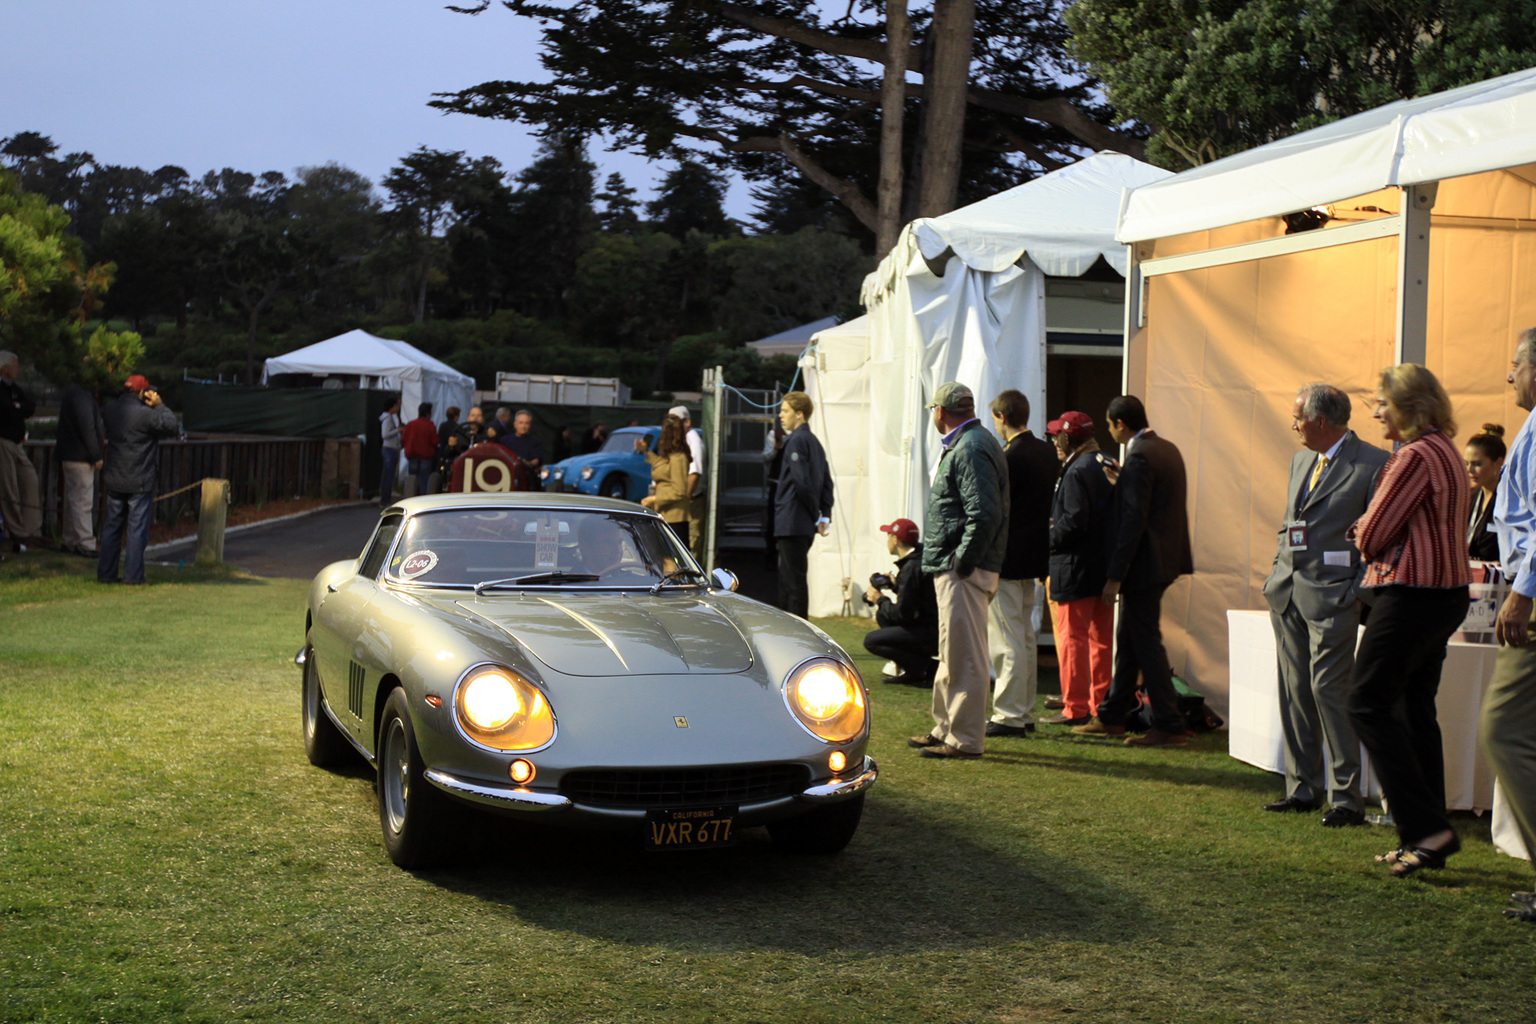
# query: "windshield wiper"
{"type": "Point", "coordinates": [673, 577]}
{"type": "Point", "coordinates": [558, 576]}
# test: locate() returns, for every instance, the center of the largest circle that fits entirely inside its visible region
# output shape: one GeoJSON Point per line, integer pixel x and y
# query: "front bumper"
{"type": "Point", "coordinates": [518, 800]}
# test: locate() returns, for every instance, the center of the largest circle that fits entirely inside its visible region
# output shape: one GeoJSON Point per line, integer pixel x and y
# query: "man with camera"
{"type": "Point", "coordinates": [135, 422]}
{"type": "Point", "coordinates": [908, 632]}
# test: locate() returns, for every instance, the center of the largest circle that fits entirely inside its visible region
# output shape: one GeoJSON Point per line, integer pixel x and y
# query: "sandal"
{"type": "Point", "coordinates": [1420, 858]}
{"type": "Point", "coordinates": [1523, 914]}
{"type": "Point", "coordinates": [1525, 899]}
{"type": "Point", "coordinates": [1391, 856]}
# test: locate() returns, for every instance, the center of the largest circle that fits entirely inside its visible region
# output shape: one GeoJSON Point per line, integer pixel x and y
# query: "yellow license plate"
{"type": "Point", "coordinates": [694, 828]}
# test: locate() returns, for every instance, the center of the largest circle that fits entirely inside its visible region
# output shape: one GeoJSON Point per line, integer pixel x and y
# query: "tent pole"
{"type": "Point", "coordinates": [1413, 273]}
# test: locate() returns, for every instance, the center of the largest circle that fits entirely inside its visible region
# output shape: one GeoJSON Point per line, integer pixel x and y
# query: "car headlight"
{"type": "Point", "coordinates": [498, 708]}
{"type": "Point", "coordinates": [828, 699]}
{"type": "Point", "coordinates": [543, 474]}
{"type": "Point", "coordinates": [586, 472]}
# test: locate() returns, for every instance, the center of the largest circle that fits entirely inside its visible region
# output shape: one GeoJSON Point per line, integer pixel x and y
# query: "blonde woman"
{"type": "Point", "coordinates": [669, 470]}
{"type": "Point", "coordinates": [1413, 539]}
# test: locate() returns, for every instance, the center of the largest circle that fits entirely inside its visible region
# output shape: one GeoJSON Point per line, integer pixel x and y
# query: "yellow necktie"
{"type": "Point", "coordinates": [1317, 473]}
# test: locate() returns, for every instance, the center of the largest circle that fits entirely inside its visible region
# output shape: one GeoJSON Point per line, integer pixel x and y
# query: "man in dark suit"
{"type": "Point", "coordinates": [802, 501]}
{"type": "Point", "coordinates": [1011, 636]}
{"type": "Point", "coordinates": [1149, 549]}
{"type": "Point", "coordinates": [1313, 593]}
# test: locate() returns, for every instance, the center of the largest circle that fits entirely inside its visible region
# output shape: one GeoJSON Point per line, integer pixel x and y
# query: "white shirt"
{"type": "Point", "coordinates": [695, 438]}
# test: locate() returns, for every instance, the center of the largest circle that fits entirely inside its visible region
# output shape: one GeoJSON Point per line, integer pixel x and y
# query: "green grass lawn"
{"type": "Point", "coordinates": [167, 854]}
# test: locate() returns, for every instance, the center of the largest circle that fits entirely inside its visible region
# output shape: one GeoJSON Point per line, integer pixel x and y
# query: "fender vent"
{"type": "Point", "coordinates": [355, 689]}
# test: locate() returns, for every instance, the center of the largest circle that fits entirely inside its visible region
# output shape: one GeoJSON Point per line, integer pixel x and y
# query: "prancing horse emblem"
{"type": "Point", "coordinates": [680, 722]}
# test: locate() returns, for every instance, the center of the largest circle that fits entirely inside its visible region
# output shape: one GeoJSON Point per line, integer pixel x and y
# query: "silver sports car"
{"type": "Point", "coordinates": [562, 658]}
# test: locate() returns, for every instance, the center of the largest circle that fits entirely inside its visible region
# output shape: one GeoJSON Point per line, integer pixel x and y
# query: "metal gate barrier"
{"type": "Point", "coordinates": [738, 425]}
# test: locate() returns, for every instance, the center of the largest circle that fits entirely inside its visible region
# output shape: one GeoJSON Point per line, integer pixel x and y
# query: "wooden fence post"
{"type": "Point", "coordinates": [210, 522]}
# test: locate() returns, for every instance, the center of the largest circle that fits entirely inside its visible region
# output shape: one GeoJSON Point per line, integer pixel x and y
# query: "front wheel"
{"type": "Point", "coordinates": [412, 813]}
{"type": "Point", "coordinates": [324, 744]}
{"type": "Point", "coordinates": [615, 486]}
{"type": "Point", "coordinates": [822, 831]}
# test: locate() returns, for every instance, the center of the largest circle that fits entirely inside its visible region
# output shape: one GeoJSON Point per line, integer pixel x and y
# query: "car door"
{"type": "Point", "coordinates": [345, 649]}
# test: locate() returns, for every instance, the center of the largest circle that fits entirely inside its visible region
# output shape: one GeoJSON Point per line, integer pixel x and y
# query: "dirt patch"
{"type": "Point", "coordinates": [241, 515]}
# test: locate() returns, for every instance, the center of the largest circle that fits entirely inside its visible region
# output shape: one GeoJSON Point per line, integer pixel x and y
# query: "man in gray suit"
{"type": "Point", "coordinates": [1313, 595]}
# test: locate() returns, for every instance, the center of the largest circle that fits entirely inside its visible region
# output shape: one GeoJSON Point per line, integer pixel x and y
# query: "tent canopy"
{"type": "Point", "coordinates": [1480, 127]}
{"type": "Point", "coordinates": [1433, 207]}
{"type": "Point", "coordinates": [392, 364]}
{"type": "Point", "coordinates": [960, 297]}
{"type": "Point", "coordinates": [1062, 221]}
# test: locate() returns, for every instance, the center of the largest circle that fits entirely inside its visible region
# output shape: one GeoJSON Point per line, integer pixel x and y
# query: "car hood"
{"type": "Point", "coordinates": [608, 634]}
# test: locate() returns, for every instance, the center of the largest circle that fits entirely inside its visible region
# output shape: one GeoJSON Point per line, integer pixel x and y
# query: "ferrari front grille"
{"type": "Point", "coordinates": [683, 787]}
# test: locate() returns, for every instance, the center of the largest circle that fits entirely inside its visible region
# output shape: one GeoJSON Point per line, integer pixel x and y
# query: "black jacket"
{"type": "Point", "coordinates": [804, 492]}
{"type": "Point", "coordinates": [134, 431]}
{"type": "Point", "coordinates": [80, 427]}
{"type": "Point", "coordinates": [1080, 527]}
{"type": "Point", "coordinates": [15, 406]}
{"type": "Point", "coordinates": [1482, 542]}
{"type": "Point", "coordinates": [1032, 472]}
{"type": "Point", "coordinates": [1149, 534]}
{"type": "Point", "coordinates": [916, 606]}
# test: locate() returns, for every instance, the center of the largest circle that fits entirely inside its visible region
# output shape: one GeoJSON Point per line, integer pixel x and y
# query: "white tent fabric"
{"type": "Point", "coordinates": [392, 365]}
{"type": "Point", "coordinates": [793, 341]}
{"type": "Point", "coordinates": [960, 297]}
{"type": "Point", "coordinates": [1476, 128]}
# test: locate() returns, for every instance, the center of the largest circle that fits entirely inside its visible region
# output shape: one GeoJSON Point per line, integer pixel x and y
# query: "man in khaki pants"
{"type": "Point", "coordinates": [967, 530]}
{"type": "Point", "coordinates": [1508, 728]}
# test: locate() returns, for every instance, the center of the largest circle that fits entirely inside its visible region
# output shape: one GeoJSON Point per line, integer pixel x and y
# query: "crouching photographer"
{"type": "Point", "coordinates": [908, 632]}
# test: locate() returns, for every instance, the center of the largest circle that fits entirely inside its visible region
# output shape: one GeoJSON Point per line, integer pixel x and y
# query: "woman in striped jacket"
{"type": "Point", "coordinates": [1412, 539]}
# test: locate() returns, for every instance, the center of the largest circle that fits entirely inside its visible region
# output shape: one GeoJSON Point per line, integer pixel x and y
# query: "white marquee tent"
{"type": "Point", "coordinates": [1426, 257]}
{"type": "Point", "coordinates": [960, 297]}
{"type": "Point", "coordinates": [381, 363]}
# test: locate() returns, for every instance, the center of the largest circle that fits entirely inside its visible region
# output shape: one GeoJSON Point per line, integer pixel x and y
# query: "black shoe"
{"type": "Point", "coordinates": [921, 682]}
{"type": "Point", "coordinates": [1342, 817]}
{"type": "Point", "coordinates": [1290, 803]}
{"type": "Point", "coordinates": [999, 729]}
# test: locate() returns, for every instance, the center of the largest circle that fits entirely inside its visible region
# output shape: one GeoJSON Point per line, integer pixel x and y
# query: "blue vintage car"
{"type": "Point", "coordinates": [615, 470]}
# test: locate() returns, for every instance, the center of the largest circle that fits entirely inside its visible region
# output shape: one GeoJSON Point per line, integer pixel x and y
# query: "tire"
{"type": "Point", "coordinates": [324, 744]}
{"type": "Point", "coordinates": [413, 815]}
{"type": "Point", "coordinates": [615, 485]}
{"type": "Point", "coordinates": [825, 830]}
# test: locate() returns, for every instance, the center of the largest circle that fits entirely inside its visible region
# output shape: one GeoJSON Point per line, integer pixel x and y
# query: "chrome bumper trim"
{"type": "Point", "coordinates": [301, 657]}
{"type": "Point", "coordinates": [496, 796]}
{"type": "Point", "coordinates": [842, 789]}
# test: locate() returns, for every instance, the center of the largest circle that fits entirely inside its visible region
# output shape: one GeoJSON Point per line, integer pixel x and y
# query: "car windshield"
{"type": "Point", "coordinates": [533, 547]}
{"type": "Point", "coordinates": [623, 444]}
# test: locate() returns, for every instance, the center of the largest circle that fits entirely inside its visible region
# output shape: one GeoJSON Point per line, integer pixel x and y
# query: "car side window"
{"type": "Point", "coordinates": [373, 559]}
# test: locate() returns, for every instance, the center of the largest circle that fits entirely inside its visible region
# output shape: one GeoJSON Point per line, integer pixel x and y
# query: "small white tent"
{"type": "Point", "coordinates": [960, 297]}
{"type": "Point", "coordinates": [384, 364]}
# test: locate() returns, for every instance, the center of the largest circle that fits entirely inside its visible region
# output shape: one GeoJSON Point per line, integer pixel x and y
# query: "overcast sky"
{"type": "Point", "coordinates": [269, 84]}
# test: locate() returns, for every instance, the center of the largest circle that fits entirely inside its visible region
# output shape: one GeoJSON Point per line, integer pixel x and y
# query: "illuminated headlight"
{"type": "Point", "coordinates": [543, 474]}
{"type": "Point", "coordinates": [498, 708]}
{"type": "Point", "coordinates": [828, 699]}
{"type": "Point", "coordinates": [586, 472]}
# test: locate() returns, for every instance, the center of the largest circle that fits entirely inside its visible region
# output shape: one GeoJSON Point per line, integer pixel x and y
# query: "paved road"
{"type": "Point", "coordinates": [292, 548]}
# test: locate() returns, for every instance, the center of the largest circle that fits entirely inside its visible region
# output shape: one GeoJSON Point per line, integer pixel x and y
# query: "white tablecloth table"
{"type": "Point", "coordinates": [1256, 737]}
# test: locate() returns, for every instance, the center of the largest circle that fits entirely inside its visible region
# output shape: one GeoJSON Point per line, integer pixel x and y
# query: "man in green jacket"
{"type": "Point", "coordinates": [967, 531]}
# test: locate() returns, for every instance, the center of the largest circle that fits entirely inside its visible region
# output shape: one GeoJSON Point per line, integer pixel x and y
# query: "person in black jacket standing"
{"type": "Point", "coordinates": [135, 423]}
{"type": "Point", "coordinates": [802, 501]}
{"type": "Point", "coordinates": [909, 625]}
{"type": "Point", "coordinates": [1149, 549]}
{"type": "Point", "coordinates": [79, 451]}
{"type": "Point", "coordinates": [19, 504]}
{"type": "Point", "coordinates": [1011, 635]}
{"type": "Point", "coordinates": [1085, 625]}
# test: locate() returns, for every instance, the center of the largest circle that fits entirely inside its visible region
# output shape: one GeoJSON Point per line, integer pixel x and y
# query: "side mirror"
{"type": "Point", "coordinates": [724, 579]}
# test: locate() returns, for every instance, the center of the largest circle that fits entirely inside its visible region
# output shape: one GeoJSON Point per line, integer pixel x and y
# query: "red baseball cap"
{"type": "Point", "coordinates": [137, 383]}
{"type": "Point", "coordinates": [1077, 425]}
{"type": "Point", "coordinates": [904, 529]}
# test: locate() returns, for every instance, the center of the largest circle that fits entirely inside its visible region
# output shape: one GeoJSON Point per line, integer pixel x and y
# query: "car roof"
{"type": "Point", "coordinates": [518, 499]}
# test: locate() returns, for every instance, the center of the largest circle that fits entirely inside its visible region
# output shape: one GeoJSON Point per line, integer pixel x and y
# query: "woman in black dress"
{"type": "Point", "coordinates": [1484, 455]}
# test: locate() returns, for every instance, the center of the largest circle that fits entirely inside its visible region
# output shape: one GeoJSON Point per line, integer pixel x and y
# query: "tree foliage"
{"type": "Point", "coordinates": [1215, 77]}
{"type": "Point", "coordinates": [767, 87]}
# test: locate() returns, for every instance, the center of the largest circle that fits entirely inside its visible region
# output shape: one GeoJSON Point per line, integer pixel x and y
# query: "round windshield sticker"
{"type": "Point", "coordinates": [417, 564]}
